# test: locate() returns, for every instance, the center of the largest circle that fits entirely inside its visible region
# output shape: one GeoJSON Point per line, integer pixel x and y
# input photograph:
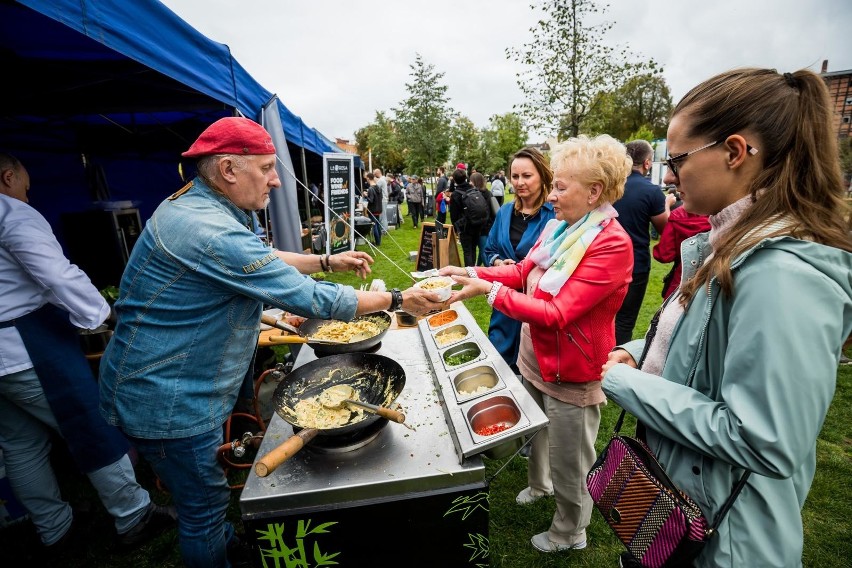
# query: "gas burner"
{"type": "Point", "coordinates": [318, 351]}
{"type": "Point", "coordinates": [347, 442]}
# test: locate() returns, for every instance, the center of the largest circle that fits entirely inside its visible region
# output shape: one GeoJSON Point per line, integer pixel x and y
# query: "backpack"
{"type": "Point", "coordinates": [476, 209]}
{"type": "Point", "coordinates": [399, 193]}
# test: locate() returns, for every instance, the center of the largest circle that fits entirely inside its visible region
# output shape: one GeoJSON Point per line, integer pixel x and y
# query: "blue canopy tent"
{"type": "Point", "coordinates": [102, 97]}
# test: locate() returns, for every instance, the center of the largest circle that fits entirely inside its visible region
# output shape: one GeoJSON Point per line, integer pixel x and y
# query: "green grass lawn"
{"type": "Point", "coordinates": [827, 528]}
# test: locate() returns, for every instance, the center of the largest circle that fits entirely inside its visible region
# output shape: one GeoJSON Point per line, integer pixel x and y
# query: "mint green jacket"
{"type": "Point", "coordinates": [746, 384]}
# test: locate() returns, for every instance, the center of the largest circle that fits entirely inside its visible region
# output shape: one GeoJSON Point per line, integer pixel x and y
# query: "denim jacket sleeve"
{"type": "Point", "coordinates": [241, 262]}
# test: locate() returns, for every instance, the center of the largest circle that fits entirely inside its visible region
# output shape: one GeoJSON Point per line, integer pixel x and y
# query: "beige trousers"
{"type": "Point", "coordinates": [560, 457]}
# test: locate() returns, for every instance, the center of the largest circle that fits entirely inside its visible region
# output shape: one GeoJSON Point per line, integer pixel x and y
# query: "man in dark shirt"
{"type": "Point", "coordinates": [643, 203]}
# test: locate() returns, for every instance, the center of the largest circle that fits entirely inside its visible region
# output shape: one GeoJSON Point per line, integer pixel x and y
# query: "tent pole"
{"type": "Point", "coordinates": [305, 182]}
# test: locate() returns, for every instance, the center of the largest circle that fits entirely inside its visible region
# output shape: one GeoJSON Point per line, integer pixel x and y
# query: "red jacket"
{"type": "Point", "coordinates": [680, 226]}
{"type": "Point", "coordinates": [574, 331]}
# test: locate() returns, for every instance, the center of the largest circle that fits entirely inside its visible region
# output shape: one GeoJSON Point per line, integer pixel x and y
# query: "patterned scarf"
{"type": "Point", "coordinates": [562, 247]}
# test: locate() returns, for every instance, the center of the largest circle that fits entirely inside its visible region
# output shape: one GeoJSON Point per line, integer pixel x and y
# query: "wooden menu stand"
{"type": "Point", "coordinates": [438, 247]}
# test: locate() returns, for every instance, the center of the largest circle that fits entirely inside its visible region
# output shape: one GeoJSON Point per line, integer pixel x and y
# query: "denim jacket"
{"type": "Point", "coordinates": [189, 315]}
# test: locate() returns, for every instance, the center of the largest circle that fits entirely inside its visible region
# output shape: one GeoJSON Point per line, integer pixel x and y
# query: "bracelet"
{"type": "Point", "coordinates": [492, 294]}
{"type": "Point", "coordinates": [396, 299]}
{"type": "Point", "coordinates": [471, 271]}
{"type": "Point", "coordinates": [322, 263]}
{"type": "Point", "coordinates": [328, 264]}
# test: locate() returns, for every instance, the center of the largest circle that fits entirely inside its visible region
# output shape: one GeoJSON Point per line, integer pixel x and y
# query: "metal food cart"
{"type": "Point", "coordinates": [410, 494]}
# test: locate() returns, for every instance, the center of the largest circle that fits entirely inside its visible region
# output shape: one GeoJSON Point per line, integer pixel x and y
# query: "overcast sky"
{"type": "Point", "coordinates": [335, 63]}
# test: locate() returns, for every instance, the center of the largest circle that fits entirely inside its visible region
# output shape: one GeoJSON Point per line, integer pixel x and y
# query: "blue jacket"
{"type": "Point", "coordinates": [189, 316]}
{"type": "Point", "coordinates": [503, 331]}
{"type": "Point", "coordinates": [746, 384]}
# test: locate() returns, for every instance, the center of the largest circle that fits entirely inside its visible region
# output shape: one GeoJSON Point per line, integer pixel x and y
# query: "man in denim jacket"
{"type": "Point", "coordinates": [188, 320]}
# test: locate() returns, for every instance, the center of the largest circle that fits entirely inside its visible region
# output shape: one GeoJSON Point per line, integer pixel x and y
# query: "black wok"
{"type": "Point", "coordinates": [311, 326]}
{"type": "Point", "coordinates": [375, 378]}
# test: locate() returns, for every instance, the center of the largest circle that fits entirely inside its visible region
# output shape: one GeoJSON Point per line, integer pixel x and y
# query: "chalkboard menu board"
{"type": "Point", "coordinates": [438, 247]}
{"type": "Point", "coordinates": [426, 250]}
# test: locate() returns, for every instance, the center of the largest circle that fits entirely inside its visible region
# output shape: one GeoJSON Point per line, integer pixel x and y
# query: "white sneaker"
{"type": "Point", "coordinates": [544, 544]}
{"type": "Point", "coordinates": [526, 496]}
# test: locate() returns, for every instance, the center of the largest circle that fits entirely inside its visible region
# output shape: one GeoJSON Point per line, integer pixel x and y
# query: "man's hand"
{"type": "Point", "coordinates": [293, 319]}
{"type": "Point", "coordinates": [671, 198]}
{"type": "Point", "coordinates": [418, 301]}
{"type": "Point", "coordinates": [616, 357]}
{"type": "Point", "coordinates": [355, 260]}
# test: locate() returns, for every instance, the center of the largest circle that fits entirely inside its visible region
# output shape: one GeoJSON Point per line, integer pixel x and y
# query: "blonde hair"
{"type": "Point", "coordinates": [789, 117]}
{"type": "Point", "coordinates": [601, 159]}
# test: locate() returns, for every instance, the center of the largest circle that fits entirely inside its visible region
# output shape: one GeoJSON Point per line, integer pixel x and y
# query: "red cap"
{"type": "Point", "coordinates": [461, 166]}
{"type": "Point", "coordinates": [232, 135]}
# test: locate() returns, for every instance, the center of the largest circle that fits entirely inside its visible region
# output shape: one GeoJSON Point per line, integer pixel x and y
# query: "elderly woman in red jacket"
{"type": "Point", "coordinates": [566, 293]}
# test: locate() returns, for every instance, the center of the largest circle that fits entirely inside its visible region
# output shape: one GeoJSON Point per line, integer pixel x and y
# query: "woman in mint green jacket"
{"type": "Point", "coordinates": [741, 367]}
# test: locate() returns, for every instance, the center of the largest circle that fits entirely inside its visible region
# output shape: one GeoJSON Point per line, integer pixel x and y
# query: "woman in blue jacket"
{"type": "Point", "coordinates": [516, 228]}
{"type": "Point", "coordinates": [741, 368]}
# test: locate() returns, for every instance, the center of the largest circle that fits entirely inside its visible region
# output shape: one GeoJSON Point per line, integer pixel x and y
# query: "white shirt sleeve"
{"type": "Point", "coordinates": [33, 272]}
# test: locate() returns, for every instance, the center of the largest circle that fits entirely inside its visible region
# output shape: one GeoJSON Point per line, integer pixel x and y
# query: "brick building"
{"type": "Point", "coordinates": [346, 145]}
{"type": "Point", "coordinates": [840, 88]}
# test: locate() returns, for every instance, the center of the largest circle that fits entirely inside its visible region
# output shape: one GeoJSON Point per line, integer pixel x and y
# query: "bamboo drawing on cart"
{"type": "Point", "coordinates": [280, 555]}
{"type": "Point", "coordinates": [467, 505]}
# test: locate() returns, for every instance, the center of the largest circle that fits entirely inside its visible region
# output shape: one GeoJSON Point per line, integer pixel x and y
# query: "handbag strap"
{"type": "Point", "coordinates": [726, 506]}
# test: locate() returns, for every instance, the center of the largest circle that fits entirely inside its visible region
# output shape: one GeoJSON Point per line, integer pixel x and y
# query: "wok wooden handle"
{"type": "Point", "coordinates": [268, 463]}
{"type": "Point", "coordinates": [392, 415]}
{"type": "Point", "coordinates": [287, 339]}
{"type": "Point", "coordinates": [269, 320]}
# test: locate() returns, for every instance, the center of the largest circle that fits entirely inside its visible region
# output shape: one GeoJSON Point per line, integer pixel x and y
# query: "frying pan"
{"type": "Point", "coordinates": [375, 378]}
{"type": "Point", "coordinates": [310, 327]}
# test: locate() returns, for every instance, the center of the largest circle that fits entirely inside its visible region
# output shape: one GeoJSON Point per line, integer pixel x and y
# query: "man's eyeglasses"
{"type": "Point", "coordinates": [672, 161]}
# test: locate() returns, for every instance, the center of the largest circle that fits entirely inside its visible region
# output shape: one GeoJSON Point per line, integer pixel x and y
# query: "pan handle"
{"type": "Point", "coordinates": [268, 463]}
{"type": "Point", "coordinates": [285, 339]}
{"type": "Point", "coordinates": [383, 411]}
{"type": "Point", "coordinates": [392, 415]}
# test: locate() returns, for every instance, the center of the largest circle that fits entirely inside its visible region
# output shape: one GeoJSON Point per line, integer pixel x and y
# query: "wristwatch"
{"type": "Point", "coordinates": [396, 299]}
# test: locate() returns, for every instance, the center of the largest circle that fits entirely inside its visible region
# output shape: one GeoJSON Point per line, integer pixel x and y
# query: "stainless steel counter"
{"type": "Point", "coordinates": [403, 460]}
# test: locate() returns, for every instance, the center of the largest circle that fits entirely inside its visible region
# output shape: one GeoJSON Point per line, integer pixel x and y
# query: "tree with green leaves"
{"type": "Point", "coordinates": [504, 135]}
{"type": "Point", "coordinates": [465, 138]}
{"type": "Point", "coordinates": [644, 103]}
{"type": "Point", "coordinates": [567, 66]}
{"type": "Point", "coordinates": [424, 119]}
{"type": "Point", "coordinates": [380, 139]}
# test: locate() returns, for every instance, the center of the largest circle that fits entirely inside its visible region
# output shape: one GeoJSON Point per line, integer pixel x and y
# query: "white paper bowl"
{"type": "Point", "coordinates": [441, 285]}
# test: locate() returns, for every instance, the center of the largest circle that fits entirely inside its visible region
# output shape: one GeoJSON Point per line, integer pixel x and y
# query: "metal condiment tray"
{"type": "Point", "coordinates": [457, 406]}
